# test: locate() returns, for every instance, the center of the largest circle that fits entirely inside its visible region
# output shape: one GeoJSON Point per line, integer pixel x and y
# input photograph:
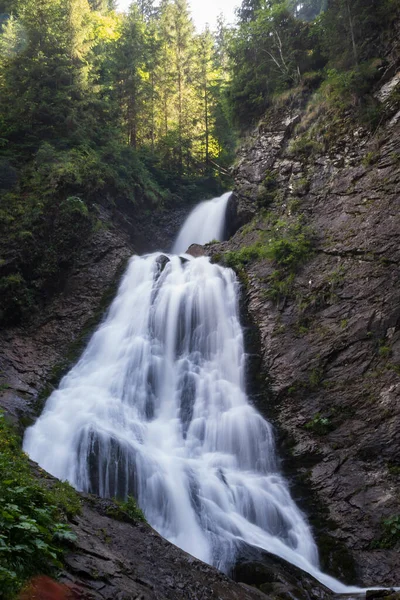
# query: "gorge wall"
{"type": "Point", "coordinates": [328, 335]}
{"type": "Point", "coordinates": [330, 328]}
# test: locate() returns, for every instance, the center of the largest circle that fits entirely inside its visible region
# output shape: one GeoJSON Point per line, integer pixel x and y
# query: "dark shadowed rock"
{"type": "Point", "coordinates": [162, 261]}
{"type": "Point", "coordinates": [119, 559]}
{"type": "Point", "coordinates": [377, 594]}
{"type": "Point", "coordinates": [330, 347]}
{"type": "Point", "coordinates": [277, 578]}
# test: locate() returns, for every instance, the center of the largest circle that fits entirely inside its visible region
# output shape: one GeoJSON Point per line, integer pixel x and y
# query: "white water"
{"type": "Point", "coordinates": [205, 223]}
{"type": "Point", "coordinates": [156, 407]}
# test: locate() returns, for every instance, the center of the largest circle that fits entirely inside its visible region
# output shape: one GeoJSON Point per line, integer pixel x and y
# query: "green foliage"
{"type": "Point", "coordinates": [286, 245]}
{"type": "Point", "coordinates": [269, 52]}
{"type": "Point", "coordinates": [384, 351]}
{"type": "Point", "coordinates": [319, 424]}
{"type": "Point", "coordinates": [126, 510]}
{"type": "Point", "coordinates": [33, 530]}
{"type": "Point", "coordinates": [369, 159]}
{"type": "Point", "coordinates": [268, 190]}
{"type": "Point", "coordinates": [304, 147]}
{"type": "Point", "coordinates": [131, 508]}
{"type": "Point", "coordinates": [391, 533]}
{"type": "Point", "coordinates": [99, 107]}
{"type": "Point", "coordinates": [315, 378]}
{"type": "Point", "coordinates": [341, 88]}
{"type": "Point", "coordinates": [282, 50]}
{"type": "Point", "coordinates": [394, 469]}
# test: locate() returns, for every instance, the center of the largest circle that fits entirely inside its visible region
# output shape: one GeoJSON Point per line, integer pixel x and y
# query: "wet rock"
{"type": "Point", "coordinates": [162, 261]}
{"type": "Point", "coordinates": [265, 146]}
{"type": "Point", "coordinates": [127, 559]}
{"type": "Point", "coordinates": [277, 578]}
{"type": "Point", "coordinates": [386, 90]}
{"type": "Point", "coordinates": [330, 348]}
{"type": "Point", "coordinates": [196, 250]}
{"type": "Point", "coordinates": [388, 594]}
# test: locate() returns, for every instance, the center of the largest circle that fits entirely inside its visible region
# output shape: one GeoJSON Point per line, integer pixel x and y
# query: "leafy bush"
{"type": "Point", "coordinates": [319, 424]}
{"type": "Point", "coordinates": [33, 528]}
{"type": "Point", "coordinates": [353, 89]}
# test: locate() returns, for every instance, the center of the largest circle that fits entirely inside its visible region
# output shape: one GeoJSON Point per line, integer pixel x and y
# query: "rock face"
{"type": "Point", "coordinates": [196, 250]}
{"type": "Point", "coordinates": [330, 349]}
{"type": "Point", "coordinates": [125, 560]}
{"type": "Point", "coordinates": [277, 578]}
{"type": "Point", "coordinates": [111, 558]}
{"type": "Point", "coordinates": [35, 356]}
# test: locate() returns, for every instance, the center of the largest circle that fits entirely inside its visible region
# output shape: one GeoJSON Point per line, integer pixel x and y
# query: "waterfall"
{"type": "Point", "coordinates": [205, 223]}
{"type": "Point", "coordinates": [156, 407]}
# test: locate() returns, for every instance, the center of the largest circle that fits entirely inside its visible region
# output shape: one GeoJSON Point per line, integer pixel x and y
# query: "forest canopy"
{"type": "Point", "coordinates": [97, 105]}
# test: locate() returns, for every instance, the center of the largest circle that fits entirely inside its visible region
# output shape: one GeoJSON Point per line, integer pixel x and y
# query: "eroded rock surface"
{"type": "Point", "coordinates": [331, 347]}
{"type": "Point", "coordinates": [113, 559]}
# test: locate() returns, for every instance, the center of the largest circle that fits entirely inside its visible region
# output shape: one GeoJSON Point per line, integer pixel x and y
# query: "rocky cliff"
{"type": "Point", "coordinates": [116, 556]}
{"type": "Point", "coordinates": [318, 251]}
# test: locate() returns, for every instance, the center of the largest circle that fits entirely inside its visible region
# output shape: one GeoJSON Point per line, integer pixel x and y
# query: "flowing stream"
{"type": "Point", "coordinates": [156, 407]}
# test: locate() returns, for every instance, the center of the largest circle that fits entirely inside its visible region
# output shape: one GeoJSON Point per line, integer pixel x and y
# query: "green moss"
{"type": "Point", "coordinates": [286, 245]}
{"type": "Point", "coordinates": [390, 537]}
{"type": "Point", "coordinates": [304, 147]}
{"type": "Point", "coordinates": [315, 378]}
{"type": "Point", "coordinates": [65, 497]}
{"type": "Point", "coordinates": [267, 191]}
{"type": "Point", "coordinates": [394, 469]}
{"type": "Point", "coordinates": [217, 257]}
{"type": "Point", "coordinates": [370, 158]}
{"type": "Point", "coordinates": [395, 368]}
{"type": "Point", "coordinates": [384, 351]}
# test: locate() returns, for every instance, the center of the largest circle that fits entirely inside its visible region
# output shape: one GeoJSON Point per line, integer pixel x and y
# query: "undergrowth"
{"type": "Point", "coordinates": [33, 517]}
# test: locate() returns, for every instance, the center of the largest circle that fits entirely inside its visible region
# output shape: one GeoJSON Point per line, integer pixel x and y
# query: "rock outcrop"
{"type": "Point", "coordinates": [34, 356]}
{"type": "Point", "coordinates": [330, 347]}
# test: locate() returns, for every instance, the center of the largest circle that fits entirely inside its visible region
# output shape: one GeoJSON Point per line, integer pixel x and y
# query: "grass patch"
{"type": "Point", "coordinates": [285, 245]}
{"type": "Point", "coordinates": [126, 510]}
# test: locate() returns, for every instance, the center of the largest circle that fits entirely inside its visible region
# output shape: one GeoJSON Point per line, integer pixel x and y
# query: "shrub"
{"type": "Point", "coordinates": [319, 424]}
{"type": "Point", "coordinates": [33, 528]}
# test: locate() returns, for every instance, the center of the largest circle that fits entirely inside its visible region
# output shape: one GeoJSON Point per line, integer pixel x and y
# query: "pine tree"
{"type": "Point", "coordinates": [130, 65]}
{"type": "Point", "coordinates": [46, 80]}
{"type": "Point", "coordinates": [183, 35]}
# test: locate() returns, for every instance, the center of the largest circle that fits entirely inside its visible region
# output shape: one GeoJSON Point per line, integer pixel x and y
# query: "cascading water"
{"type": "Point", "coordinates": [156, 407]}
{"type": "Point", "coordinates": [205, 223]}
